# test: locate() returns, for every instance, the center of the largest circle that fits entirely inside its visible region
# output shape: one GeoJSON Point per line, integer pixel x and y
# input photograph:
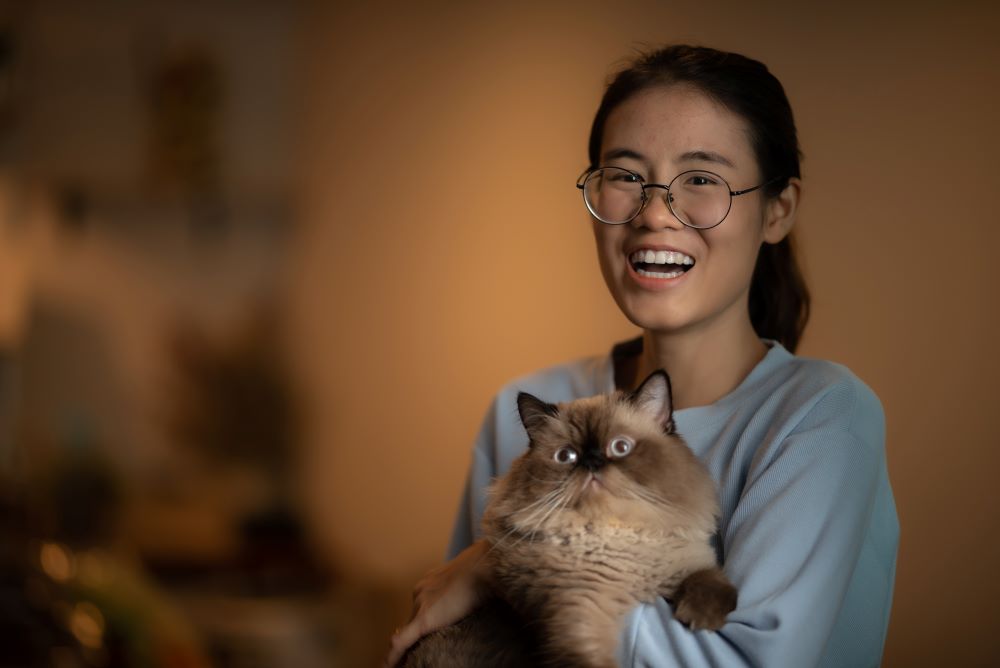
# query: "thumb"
{"type": "Point", "coordinates": [400, 642]}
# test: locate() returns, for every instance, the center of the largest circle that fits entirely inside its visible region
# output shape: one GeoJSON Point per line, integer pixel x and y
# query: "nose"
{"type": "Point", "coordinates": [592, 460]}
{"type": "Point", "coordinates": [656, 213]}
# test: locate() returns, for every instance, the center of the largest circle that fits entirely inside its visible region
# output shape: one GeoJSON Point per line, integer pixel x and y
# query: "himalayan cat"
{"type": "Point", "coordinates": [606, 509]}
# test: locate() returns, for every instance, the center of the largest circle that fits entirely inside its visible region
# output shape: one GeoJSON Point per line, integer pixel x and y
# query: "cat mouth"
{"type": "Point", "coordinates": [660, 263]}
{"type": "Point", "coordinates": [593, 484]}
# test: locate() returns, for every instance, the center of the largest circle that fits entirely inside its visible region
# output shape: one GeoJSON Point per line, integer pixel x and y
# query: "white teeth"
{"type": "Point", "coordinates": [659, 274]}
{"type": "Point", "coordinates": [661, 257]}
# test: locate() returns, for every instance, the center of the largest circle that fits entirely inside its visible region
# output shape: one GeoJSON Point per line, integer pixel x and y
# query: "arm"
{"type": "Point", "coordinates": [453, 590]}
{"type": "Point", "coordinates": [444, 596]}
{"type": "Point", "coordinates": [466, 529]}
{"type": "Point", "coordinates": [810, 538]}
{"type": "Point", "coordinates": [482, 470]}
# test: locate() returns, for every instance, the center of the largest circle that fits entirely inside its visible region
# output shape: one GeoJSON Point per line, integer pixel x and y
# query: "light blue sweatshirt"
{"type": "Point", "coordinates": [808, 529]}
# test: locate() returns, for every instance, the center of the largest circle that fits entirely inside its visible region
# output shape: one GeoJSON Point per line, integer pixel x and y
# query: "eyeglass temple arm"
{"type": "Point", "coordinates": [734, 193]}
{"type": "Point", "coordinates": [580, 179]}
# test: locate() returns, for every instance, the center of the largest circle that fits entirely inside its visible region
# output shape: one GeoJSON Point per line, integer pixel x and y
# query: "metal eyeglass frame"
{"type": "Point", "coordinates": [581, 183]}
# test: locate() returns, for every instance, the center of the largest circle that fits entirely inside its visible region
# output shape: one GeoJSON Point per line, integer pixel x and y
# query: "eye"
{"type": "Point", "coordinates": [620, 446]}
{"type": "Point", "coordinates": [701, 179]}
{"type": "Point", "coordinates": [565, 455]}
{"type": "Point", "coordinates": [618, 174]}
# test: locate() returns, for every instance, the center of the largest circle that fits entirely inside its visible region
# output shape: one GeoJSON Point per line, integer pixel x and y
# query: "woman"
{"type": "Point", "coordinates": [692, 190]}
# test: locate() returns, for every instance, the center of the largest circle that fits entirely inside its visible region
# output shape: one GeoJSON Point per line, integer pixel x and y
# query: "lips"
{"type": "Point", "coordinates": [660, 264]}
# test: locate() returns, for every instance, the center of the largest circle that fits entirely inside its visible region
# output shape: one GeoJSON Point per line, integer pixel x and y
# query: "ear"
{"type": "Point", "coordinates": [654, 400]}
{"type": "Point", "coordinates": [534, 412]}
{"type": "Point", "coordinates": [779, 212]}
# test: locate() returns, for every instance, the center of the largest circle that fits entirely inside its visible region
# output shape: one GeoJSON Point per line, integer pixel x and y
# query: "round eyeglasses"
{"type": "Point", "coordinates": [697, 198]}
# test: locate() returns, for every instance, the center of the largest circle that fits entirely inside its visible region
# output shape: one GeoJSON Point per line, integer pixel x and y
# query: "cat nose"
{"type": "Point", "coordinates": [593, 462]}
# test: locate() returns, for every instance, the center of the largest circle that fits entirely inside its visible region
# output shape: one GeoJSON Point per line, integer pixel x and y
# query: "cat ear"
{"type": "Point", "coordinates": [653, 398]}
{"type": "Point", "coordinates": [534, 412]}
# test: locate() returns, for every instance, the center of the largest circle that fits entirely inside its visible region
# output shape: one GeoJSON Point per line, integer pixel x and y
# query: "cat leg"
{"type": "Point", "coordinates": [585, 634]}
{"type": "Point", "coordinates": [704, 598]}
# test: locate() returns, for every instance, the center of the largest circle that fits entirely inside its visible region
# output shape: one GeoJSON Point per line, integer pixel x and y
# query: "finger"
{"type": "Point", "coordinates": [401, 641]}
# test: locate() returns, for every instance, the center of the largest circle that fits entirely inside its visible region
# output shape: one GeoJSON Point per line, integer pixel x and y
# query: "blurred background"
{"type": "Point", "coordinates": [263, 265]}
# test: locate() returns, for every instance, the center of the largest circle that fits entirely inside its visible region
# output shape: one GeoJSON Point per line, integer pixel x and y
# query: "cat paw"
{"type": "Point", "coordinates": [704, 599]}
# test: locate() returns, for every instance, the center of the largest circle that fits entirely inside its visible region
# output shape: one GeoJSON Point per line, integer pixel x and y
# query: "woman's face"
{"type": "Point", "coordinates": [659, 133]}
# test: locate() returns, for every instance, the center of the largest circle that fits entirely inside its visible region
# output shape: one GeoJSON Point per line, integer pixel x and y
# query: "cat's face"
{"type": "Point", "coordinates": [614, 454]}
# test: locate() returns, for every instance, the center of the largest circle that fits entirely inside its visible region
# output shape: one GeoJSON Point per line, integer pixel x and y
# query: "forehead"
{"type": "Point", "coordinates": [589, 416]}
{"type": "Point", "coordinates": [598, 417]}
{"type": "Point", "coordinates": [664, 122]}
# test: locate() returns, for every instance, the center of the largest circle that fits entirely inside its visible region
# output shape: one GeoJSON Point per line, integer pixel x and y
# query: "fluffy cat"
{"type": "Point", "coordinates": [608, 508]}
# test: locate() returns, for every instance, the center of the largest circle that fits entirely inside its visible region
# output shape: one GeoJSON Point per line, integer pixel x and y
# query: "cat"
{"type": "Point", "coordinates": [607, 508]}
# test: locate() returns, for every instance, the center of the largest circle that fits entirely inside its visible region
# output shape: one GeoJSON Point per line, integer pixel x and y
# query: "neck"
{"type": "Point", "coordinates": [704, 365]}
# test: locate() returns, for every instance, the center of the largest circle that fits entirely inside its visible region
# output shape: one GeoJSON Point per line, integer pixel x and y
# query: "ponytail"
{"type": "Point", "coordinates": [779, 298]}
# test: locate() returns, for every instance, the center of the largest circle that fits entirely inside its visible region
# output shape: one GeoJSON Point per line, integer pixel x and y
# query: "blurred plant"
{"type": "Point", "coordinates": [233, 405]}
{"type": "Point", "coordinates": [185, 101]}
{"type": "Point", "coordinates": [7, 85]}
{"type": "Point", "coordinates": [83, 491]}
{"type": "Point", "coordinates": [185, 95]}
{"type": "Point", "coordinates": [67, 598]}
{"type": "Point", "coordinates": [233, 401]}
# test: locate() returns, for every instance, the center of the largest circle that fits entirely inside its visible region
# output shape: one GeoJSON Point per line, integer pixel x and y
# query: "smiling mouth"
{"type": "Point", "coordinates": [660, 264]}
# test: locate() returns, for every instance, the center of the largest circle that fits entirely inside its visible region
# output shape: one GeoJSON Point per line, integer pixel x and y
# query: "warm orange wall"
{"type": "Point", "coordinates": [444, 250]}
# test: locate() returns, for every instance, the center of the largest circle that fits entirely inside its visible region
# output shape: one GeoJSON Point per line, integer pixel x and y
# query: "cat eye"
{"type": "Point", "coordinates": [620, 446]}
{"type": "Point", "coordinates": [565, 455]}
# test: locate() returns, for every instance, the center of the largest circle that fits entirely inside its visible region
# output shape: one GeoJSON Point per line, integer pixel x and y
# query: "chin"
{"type": "Point", "coordinates": [658, 314]}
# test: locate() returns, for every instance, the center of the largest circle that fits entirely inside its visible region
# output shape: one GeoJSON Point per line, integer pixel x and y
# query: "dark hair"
{"type": "Point", "coordinates": [779, 298]}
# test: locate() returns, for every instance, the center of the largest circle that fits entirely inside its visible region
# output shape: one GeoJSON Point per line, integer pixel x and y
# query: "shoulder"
{"type": "Point", "coordinates": [821, 391]}
{"type": "Point", "coordinates": [807, 411]}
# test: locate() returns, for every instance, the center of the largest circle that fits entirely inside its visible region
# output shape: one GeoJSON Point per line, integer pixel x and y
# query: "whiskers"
{"type": "Point", "coordinates": [544, 481]}
{"type": "Point", "coordinates": [532, 518]}
{"type": "Point", "coordinates": [640, 493]}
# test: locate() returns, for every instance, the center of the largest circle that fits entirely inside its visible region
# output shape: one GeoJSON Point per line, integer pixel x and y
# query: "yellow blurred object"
{"type": "Point", "coordinates": [87, 624]}
{"type": "Point", "coordinates": [57, 562]}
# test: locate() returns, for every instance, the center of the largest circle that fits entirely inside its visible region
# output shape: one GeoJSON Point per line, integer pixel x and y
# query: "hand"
{"type": "Point", "coordinates": [442, 597]}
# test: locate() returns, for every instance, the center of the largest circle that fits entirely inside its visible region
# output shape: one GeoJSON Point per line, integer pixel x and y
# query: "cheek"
{"type": "Point", "coordinates": [532, 482]}
{"type": "Point", "coordinates": [545, 471]}
{"type": "Point", "coordinates": [608, 241]}
{"type": "Point", "coordinates": [733, 252]}
{"type": "Point", "coordinates": [643, 466]}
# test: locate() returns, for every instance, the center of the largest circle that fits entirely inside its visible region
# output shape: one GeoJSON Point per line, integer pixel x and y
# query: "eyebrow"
{"type": "Point", "coordinates": [687, 156]}
{"type": "Point", "coordinates": [624, 153]}
{"type": "Point", "coordinates": [707, 156]}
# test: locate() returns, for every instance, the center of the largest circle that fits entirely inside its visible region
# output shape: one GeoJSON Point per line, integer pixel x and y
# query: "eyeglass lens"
{"type": "Point", "coordinates": [698, 199]}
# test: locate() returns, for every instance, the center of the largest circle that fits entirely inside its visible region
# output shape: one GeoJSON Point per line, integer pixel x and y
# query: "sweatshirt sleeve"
{"type": "Point", "coordinates": [482, 469]}
{"type": "Point", "coordinates": [796, 548]}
